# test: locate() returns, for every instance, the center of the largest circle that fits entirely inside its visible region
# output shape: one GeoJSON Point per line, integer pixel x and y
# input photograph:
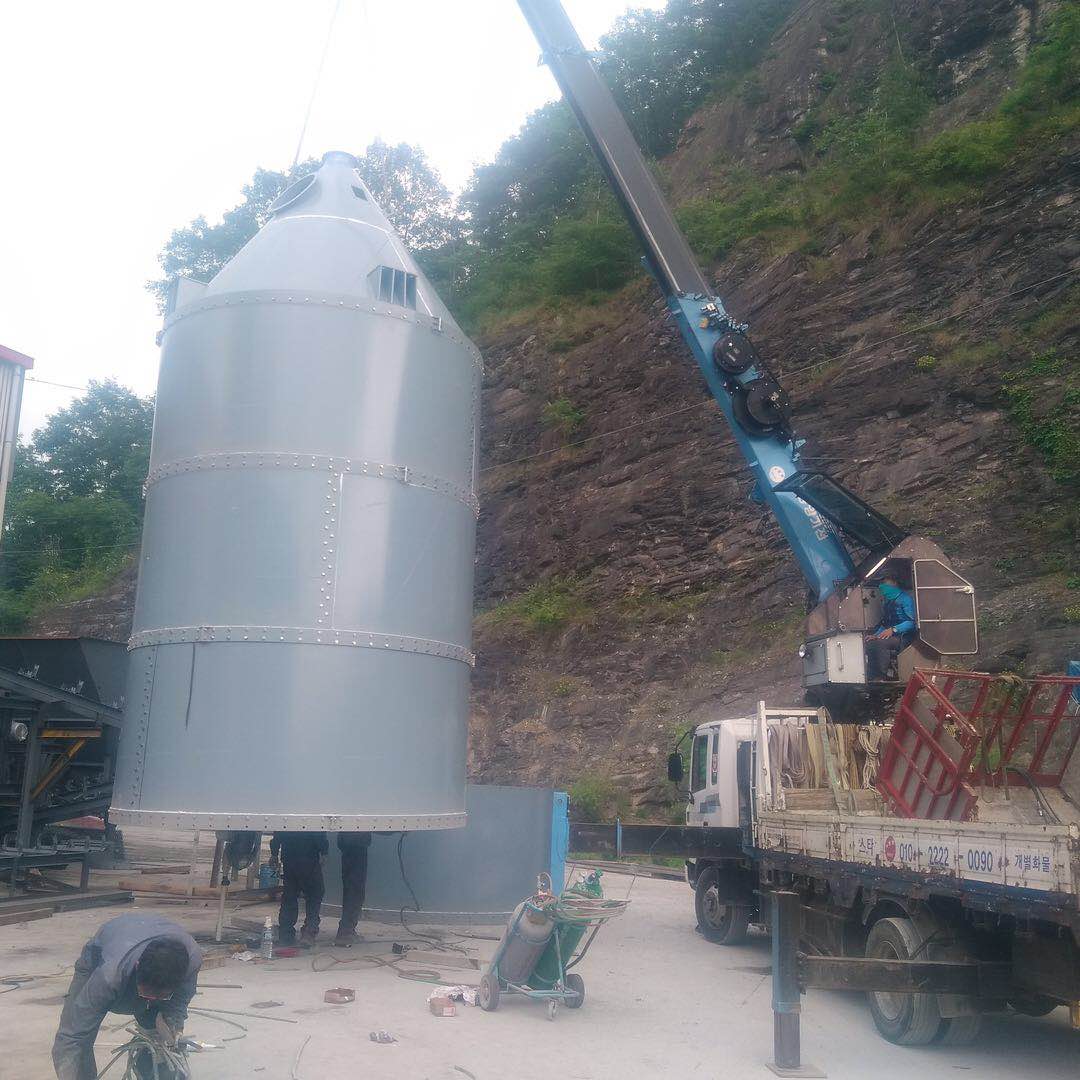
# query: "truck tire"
{"type": "Point", "coordinates": [904, 1019]}
{"type": "Point", "coordinates": [959, 1030]}
{"type": "Point", "coordinates": [724, 924]}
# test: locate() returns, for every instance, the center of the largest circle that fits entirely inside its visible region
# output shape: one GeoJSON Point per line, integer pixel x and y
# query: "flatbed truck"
{"type": "Point", "coordinates": [999, 886]}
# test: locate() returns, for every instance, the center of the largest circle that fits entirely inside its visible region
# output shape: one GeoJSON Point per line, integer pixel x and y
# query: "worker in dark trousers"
{"type": "Point", "coordinates": [143, 966]}
{"type": "Point", "coordinates": [301, 856]}
{"type": "Point", "coordinates": [354, 858]}
{"type": "Point", "coordinates": [894, 633]}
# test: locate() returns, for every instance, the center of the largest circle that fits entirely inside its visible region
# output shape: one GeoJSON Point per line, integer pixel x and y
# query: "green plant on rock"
{"type": "Point", "coordinates": [648, 607]}
{"type": "Point", "coordinates": [597, 798]}
{"type": "Point", "coordinates": [1044, 403]}
{"type": "Point", "coordinates": [926, 363]}
{"type": "Point", "coordinates": [562, 413]}
{"type": "Point", "coordinates": [549, 606]}
{"type": "Point", "coordinates": [563, 688]}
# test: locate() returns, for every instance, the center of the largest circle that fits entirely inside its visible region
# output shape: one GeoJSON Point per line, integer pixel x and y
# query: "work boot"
{"type": "Point", "coordinates": [308, 936]}
{"type": "Point", "coordinates": [286, 935]}
{"type": "Point", "coordinates": [345, 939]}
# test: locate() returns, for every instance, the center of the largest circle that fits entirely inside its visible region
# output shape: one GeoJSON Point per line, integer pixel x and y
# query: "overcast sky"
{"type": "Point", "coordinates": [124, 120]}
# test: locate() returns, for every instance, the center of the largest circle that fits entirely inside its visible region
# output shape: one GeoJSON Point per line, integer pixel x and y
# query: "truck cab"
{"type": "Point", "coordinates": [713, 798]}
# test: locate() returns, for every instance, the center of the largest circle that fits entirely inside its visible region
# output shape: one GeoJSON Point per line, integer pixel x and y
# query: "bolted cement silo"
{"type": "Point", "coordinates": [300, 656]}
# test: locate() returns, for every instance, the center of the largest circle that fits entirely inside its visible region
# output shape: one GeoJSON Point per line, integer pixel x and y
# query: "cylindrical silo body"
{"type": "Point", "coordinates": [300, 656]}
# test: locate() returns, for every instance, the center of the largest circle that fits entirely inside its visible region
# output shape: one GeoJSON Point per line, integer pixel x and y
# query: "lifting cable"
{"type": "Point", "coordinates": [318, 81]}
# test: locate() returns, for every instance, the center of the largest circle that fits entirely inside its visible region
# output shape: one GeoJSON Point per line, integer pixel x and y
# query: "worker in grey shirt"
{"type": "Point", "coordinates": [140, 965]}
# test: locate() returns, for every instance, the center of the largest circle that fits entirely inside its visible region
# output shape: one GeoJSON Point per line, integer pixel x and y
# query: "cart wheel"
{"type": "Point", "coordinates": [553, 1008]}
{"type": "Point", "coordinates": [489, 992]}
{"type": "Point", "coordinates": [575, 983]}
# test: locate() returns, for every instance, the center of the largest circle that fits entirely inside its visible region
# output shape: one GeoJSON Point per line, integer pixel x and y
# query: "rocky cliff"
{"type": "Point", "coordinates": [665, 596]}
{"type": "Point", "coordinates": [626, 585]}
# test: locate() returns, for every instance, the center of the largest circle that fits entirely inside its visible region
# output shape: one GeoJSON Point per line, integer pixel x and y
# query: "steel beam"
{"type": "Point", "coordinates": [970, 978]}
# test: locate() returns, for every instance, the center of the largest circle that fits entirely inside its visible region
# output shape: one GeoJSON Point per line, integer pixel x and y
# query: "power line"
{"type": "Point", "coordinates": [49, 382]}
{"type": "Point", "coordinates": [859, 350]}
{"type": "Point", "coordinates": [47, 550]}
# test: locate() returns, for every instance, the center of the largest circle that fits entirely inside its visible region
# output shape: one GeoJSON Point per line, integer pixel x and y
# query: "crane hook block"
{"type": "Point", "coordinates": [733, 354]}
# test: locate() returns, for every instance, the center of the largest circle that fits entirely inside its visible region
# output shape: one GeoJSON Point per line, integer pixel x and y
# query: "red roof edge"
{"type": "Point", "coordinates": [13, 357]}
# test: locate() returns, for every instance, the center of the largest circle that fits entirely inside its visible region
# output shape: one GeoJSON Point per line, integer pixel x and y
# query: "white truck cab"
{"type": "Point", "coordinates": [713, 799]}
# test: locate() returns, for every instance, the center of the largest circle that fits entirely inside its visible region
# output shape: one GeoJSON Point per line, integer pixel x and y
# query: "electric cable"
{"type": "Point", "coordinates": [437, 941]}
{"type": "Point", "coordinates": [416, 974]}
{"type": "Point", "coordinates": [1046, 811]}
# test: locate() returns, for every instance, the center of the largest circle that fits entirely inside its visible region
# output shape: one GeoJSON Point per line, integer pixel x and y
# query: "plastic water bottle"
{"type": "Point", "coordinates": [267, 951]}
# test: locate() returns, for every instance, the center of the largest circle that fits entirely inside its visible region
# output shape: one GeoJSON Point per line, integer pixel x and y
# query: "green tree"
{"type": "Point", "coordinates": [411, 194]}
{"type": "Point", "coordinates": [200, 250]}
{"type": "Point", "coordinates": [98, 446]}
{"type": "Point", "coordinates": [407, 188]}
{"type": "Point", "coordinates": [75, 501]}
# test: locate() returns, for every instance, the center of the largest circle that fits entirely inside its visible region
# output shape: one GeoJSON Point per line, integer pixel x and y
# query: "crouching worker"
{"type": "Point", "coordinates": [143, 966]}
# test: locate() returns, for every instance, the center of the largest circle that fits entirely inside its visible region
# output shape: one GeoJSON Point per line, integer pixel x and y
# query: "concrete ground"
{"type": "Point", "coordinates": [660, 1002]}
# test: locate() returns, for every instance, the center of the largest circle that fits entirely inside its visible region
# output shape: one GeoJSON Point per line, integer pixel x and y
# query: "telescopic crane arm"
{"type": "Point", "coordinates": [815, 512]}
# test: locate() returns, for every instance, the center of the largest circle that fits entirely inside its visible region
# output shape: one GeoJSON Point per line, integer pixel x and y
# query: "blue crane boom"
{"type": "Point", "coordinates": [752, 401]}
{"type": "Point", "coordinates": [822, 521]}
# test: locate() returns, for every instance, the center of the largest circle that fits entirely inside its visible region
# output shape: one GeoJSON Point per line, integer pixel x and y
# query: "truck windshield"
{"type": "Point", "coordinates": [699, 762]}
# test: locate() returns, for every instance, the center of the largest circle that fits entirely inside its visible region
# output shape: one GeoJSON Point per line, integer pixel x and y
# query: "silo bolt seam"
{"type": "Point", "coordinates": [312, 635]}
{"type": "Point", "coordinates": [405, 474]}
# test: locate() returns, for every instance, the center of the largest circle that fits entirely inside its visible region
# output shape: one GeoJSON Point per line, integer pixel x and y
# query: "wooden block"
{"type": "Point", "coordinates": [440, 959]}
{"type": "Point", "coordinates": [25, 916]}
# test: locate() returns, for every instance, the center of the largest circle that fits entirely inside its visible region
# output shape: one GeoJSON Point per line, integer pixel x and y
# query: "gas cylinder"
{"type": "Point", "coordinates": [546, 971]}
{"type": "Point", "coordinates": [523, 941]}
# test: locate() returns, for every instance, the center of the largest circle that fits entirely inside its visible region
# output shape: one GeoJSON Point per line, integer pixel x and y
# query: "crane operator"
{"type": "Point", "coordinates": [894, 633]}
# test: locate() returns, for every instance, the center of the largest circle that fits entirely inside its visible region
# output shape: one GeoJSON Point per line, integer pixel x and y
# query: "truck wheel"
{"type": "Point", "coordinates": [904, 1019]}
{"type": "Point", "coordinates": [959, 1030]}
{"type": "Point", "coordinates": [722, 923]}
{"type": "Point", "coordinates": [576, 983]}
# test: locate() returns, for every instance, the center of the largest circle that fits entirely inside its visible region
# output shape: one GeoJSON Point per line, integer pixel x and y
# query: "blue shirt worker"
{"type": "Point", "coordinates": [143, 966]}
{"type": "Point", "coordinates": [894, 633]}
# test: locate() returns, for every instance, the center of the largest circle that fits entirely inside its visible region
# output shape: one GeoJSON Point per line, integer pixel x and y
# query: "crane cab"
{"type": "Point", "coordinates": [837, 630]}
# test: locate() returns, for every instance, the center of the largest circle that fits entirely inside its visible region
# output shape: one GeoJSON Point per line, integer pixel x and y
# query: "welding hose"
{"type": "Point", "coordinates": [418, 974]}
{"type": "Point", "coordinates": [585, 910]}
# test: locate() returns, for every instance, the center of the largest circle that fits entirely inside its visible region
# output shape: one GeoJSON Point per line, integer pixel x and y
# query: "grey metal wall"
{"type": "Point", "coordinates": [485, 869]}
{"type": "Point", "coordinates": [301, 646]}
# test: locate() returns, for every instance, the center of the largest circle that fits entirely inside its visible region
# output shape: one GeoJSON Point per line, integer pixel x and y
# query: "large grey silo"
{"type": "Point", "coordinates": [300, 657]}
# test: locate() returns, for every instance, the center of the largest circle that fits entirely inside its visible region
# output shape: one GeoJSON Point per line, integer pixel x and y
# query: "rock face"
{"type": "Point", "coordinates": [627, 587]}
{"type": "Point", "coordinates": [845, 44]}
